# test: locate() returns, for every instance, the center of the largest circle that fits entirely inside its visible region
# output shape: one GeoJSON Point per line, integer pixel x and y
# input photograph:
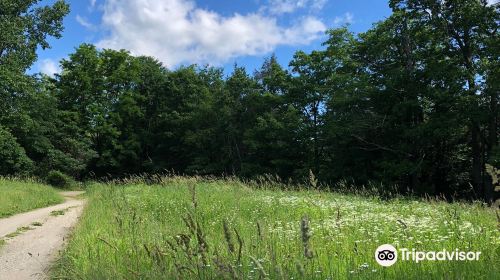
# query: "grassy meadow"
{"type": "Point", "coordinates": [186, 228]}
{"type": "Point", "coordinates": [17, 196]}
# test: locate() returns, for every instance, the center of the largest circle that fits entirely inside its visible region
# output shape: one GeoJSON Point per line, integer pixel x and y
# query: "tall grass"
{"type": "Point", "coordinates": [20, 195]}
{"type": "Point", "coordinates": [194, 228]}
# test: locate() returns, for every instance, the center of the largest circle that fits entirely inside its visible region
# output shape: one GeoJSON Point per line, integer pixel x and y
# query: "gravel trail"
{"type": "Point", "coordinates": [29, 254]}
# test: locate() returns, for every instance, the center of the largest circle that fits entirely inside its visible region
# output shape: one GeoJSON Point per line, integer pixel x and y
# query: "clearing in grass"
{"type": "Point", "coordinates": [17, 196]}
{"type": "Point", "coordinates": [203, 229]}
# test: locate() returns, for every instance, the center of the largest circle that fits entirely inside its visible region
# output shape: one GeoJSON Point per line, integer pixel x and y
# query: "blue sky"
{"type": "Point", "coordinates": [215, 32]}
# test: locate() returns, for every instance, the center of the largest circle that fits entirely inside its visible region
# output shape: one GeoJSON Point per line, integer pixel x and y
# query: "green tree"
{"type": "Point", "coordinates": [463, 30]}
{"type": "Point", "coordinates": [13, 159]}
{"type": "Point", "coordinates": [309, 94]}
{"type": "Point", "coordinates": [24, 27]}
{"type": "Point", "coordinates": [100, 88]}
{"type": "Point", "coordinates": [53, 138]}
{"type": "Point", "coordinates": [272, 137]}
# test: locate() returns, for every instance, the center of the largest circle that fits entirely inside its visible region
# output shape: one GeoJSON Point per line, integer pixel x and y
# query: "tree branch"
{"type": "Point", "coordinates": [380, 147]}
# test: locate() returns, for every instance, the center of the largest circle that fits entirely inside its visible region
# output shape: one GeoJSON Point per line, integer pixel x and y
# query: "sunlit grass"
{"type": "Point", "coordinates": [199, 229]}
{"type": "Point", "coordinates": [18, 196]}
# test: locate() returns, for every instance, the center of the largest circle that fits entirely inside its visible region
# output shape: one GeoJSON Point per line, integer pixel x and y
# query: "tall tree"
{"type": "Point", "coordinates": [309, 93]}
{"type": "Point", "coordinates": [272, 140]}
{"type": "Point", "coordinates": [24, 27]}
{"type": "Point", "coordinates": [100, 88]}
{"type": "Point", "coordinates": [463, 28]}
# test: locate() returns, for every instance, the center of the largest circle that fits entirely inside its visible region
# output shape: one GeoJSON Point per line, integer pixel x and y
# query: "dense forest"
{"type": "Point", "coordinates": [413, 102]}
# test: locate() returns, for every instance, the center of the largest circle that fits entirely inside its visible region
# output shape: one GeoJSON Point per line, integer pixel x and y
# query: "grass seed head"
{"type": "Point", "coordinates": [306, 236]}
{"type": "Point", "coordinates": [259, 230]}
{"type": "Point", "coordinates": [313, 181]}
{"type": "Point", "coordinates": [228, 237]}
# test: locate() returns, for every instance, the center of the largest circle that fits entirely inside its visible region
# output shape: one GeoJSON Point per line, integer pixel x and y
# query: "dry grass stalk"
{"type": "Point", "coordinates": [313, 181]}
{"type": "Point", "coordinates": [202, 244]}
{"type": "Point", "coordinates": [240, 245]}
{"type": "Point", "coordinates": [228, 237]}
{"type": "Point", "coordinates": [259, 230]}
{"type": "Point", "coordinates": [188, 220]}
{"type": "Point", "coordinates": [306, 236]}
{"type": "Point", "coordinates": [498, 219]}
{"type": "Point", "coordinates": [192, 191]}
{"type": "Point", "coordinates": [107, 243]}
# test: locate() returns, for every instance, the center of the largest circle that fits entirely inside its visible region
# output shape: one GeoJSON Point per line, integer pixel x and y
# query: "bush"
{"type": "Point", "coordinates": [13, 158]}
{"type": "Point", "coordinates": [59, 180]}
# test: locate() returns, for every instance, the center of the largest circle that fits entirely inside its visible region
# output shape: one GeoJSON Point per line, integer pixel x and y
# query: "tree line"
{"type": "Point", "coordinates": [412, 102]}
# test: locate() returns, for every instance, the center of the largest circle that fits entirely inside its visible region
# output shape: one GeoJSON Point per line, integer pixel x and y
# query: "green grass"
{"type": "Point", "coordinates": [18, 232]}
{"type": "Point", "coordinates": [18, 196]}
{"type": "Point", "coordinates": [58, 213]}
{"type": "Point", "coordinates": [226, 230]}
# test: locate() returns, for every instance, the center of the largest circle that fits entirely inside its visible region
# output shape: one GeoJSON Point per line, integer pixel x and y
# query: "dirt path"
{"type": "Point", "coordinates": [29, 254]}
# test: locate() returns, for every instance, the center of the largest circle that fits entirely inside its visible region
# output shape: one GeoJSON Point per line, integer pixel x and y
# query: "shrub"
{"type": "Point", "coordinates": [13, 158]}
{"type": "Point", "coordinates": [59, 180]}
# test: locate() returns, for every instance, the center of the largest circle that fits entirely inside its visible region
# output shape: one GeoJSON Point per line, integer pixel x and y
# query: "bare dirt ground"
{"type": "Point", "coordinates": [29, 253]}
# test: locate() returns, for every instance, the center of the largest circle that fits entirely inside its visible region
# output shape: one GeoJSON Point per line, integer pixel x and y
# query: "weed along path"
{"type": "Point", "coordinates": [34, 239]}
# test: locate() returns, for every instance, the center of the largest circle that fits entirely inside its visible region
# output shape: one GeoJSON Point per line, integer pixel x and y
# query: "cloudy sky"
{"type": "Point", "coordinates": [216, 32]}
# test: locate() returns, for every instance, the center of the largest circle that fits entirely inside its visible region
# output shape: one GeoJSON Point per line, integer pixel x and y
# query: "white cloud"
{"type": "Point", "coordinates": [177, 31]}
{"type": "Point", "coordinates": [306, 30]}
{"type": "Point", "coordinates": [347, 18]}
{"type": "Point", "coordinates": [491, 2]}
{"type": "Point", "coordinates": [49, 67]}
{"type": "Point", "coordinates": [84, 22]}
{"type": "Point", "coordinates": [278, 7]}
{"type": "Point", "coordinates": [92, 3]}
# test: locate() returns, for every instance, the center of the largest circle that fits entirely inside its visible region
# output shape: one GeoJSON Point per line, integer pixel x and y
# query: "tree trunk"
{"type": "Point", "coordinates": [475, 129]}
{"type": "Point", "coordinates": [477, 155]}
{"type": "Point", "coordinates": [315, 143]}
{"type": "Point", "coordinates": [493, 121]}
{"type": "Point", "coordinates": [492, 142]}
{"type": "Point", "coordinates": [477, 165]}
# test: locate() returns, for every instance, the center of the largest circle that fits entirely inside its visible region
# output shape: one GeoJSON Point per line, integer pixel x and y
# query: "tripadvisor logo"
{"type": "Point", "coordinates": [387, 255]}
